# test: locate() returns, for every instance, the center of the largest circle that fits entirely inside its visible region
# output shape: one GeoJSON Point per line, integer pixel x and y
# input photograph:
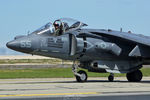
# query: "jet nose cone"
{"type": "Point", "coordinates": [9, 44]}
{"type": "Point", "coordinates": [12, 44]}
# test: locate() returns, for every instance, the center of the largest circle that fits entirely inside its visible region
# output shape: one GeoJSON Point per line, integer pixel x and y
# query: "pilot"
{"type": "Point", "coordinates": [58, 28]}
{"type": "Point", "coordinates": [56, 25]}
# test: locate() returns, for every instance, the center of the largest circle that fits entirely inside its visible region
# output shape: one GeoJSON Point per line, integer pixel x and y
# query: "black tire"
{"type": "Point", "coordinates": [135, 76]}
{"type": "Point", "coordinates": [83, 77]}
{"type": "Point", "coordinates": [110, 78]}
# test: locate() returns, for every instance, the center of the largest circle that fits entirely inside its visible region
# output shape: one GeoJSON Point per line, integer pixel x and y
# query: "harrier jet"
{"type": "Point", "coordinates": [97, 50]}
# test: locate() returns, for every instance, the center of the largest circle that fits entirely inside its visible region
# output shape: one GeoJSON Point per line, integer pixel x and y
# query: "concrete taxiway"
{"type": "Point", "coordinates": [68, 87]}
{"type": "Point", "coordinates": [119, 97]}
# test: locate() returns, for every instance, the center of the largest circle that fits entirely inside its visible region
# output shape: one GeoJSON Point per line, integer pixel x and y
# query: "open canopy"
{"type": "Point", "coordinates": [65, 25]}
{"type": "Point", "coordinates": [71, 24]}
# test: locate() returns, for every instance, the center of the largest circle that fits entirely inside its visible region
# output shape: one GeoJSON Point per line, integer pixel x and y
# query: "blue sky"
{"type": "Point", "coordinates": [17, 17]}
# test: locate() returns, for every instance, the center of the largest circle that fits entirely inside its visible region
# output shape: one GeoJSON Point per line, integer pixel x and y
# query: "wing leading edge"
{"type": "Point", "coordinates": [139, 39]}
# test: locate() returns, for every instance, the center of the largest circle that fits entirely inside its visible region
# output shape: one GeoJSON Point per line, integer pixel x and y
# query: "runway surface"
{"type": "Point", "coordinates": [127, 97]}
{"type": "Point", "coordinates": [69, 89]}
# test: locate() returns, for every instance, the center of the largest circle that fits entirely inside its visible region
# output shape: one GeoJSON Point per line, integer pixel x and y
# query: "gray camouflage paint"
{"type": "Point", "coordinates": [113, 51]}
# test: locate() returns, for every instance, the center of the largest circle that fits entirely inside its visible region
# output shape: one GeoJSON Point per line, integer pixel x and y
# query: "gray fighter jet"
{"type": "Point", "coordinates": [97, 50]}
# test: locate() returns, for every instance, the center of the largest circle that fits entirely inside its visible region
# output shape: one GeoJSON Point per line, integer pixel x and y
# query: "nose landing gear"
{"type": "Point", "coordinates": [81, 76]}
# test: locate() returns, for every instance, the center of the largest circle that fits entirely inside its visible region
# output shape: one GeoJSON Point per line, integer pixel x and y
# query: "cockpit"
{"type": "Point", "coordinates": [60, 26]}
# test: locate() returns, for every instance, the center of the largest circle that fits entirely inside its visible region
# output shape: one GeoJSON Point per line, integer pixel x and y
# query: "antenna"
{"type": "Point", "coordinates": [120, 29]}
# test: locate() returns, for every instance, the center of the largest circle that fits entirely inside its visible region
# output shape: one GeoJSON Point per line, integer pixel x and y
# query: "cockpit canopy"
{"type": "Point", "coordinates": [64, 25]}
{"type": "Point", "coordinates": [48, 28]}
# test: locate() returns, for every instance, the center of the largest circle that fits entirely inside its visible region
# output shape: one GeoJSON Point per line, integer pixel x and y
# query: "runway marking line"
{"type": "Point", "coordinates": [50, 94]}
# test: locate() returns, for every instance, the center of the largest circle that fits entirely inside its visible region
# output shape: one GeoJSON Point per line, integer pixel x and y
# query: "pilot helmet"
{"type": "Point", "coordinates": [56, 24]}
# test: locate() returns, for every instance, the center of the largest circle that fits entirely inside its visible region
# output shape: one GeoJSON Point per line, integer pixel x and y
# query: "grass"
{"type": "Point", "coordinates": [53, 73]}
{"type": "Point", "coordinates": [42, 61]}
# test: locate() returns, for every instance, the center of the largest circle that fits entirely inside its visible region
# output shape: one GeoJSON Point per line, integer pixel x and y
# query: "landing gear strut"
{"type": "Point", "coordinates": [81, 75]}
{"type": "Point", "coordinates": [135, 76]}
{"type": "Point", "coordinates": [111, 77]}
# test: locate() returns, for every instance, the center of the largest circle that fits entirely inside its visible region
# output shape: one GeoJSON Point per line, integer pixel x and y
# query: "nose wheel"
{"type": "Point", "coordinates": [81, 76]}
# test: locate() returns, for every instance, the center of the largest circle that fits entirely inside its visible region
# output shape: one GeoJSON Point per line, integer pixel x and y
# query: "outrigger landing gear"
{"type": "Point", "coordinates": [81, 75]}
{"type": "Point", "coordinates": [111, 77]}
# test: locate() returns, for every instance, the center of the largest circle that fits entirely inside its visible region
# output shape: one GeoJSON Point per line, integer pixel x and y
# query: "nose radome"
{"type": "Point", "coordinates": [12, 44]}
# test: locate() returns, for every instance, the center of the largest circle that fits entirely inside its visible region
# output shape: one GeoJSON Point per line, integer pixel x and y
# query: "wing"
{"type": "Point", "coordinates": [140, 43]}
{"type": "Point", "coordinates": [136, 38]}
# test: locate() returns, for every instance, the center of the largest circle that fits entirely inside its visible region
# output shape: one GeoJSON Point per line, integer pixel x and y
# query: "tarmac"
{"type": "Point", "coordinates": [69, 89]}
